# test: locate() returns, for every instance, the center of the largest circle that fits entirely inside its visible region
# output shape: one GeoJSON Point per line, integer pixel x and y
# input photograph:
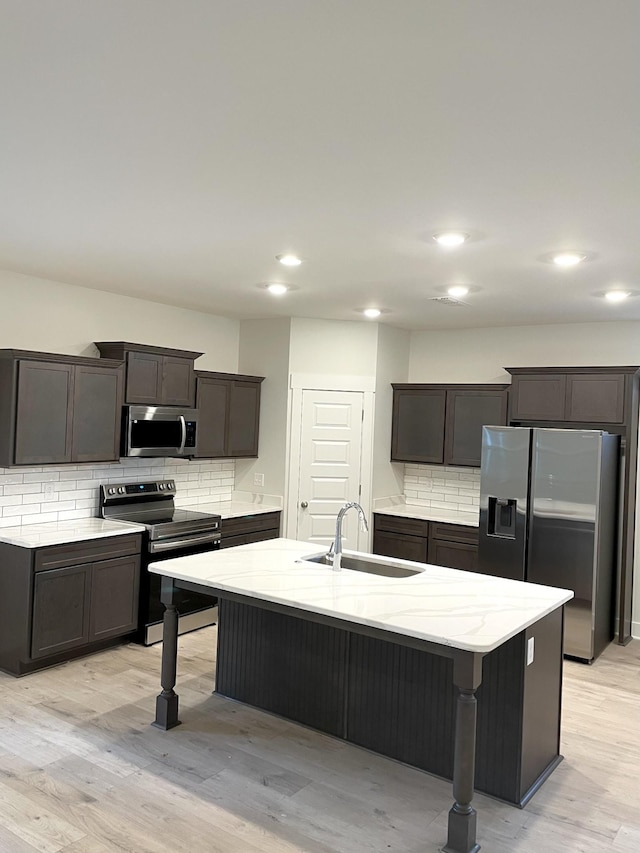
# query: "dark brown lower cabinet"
{"type": "Point", "coordinates": [249, 528]}
{"type": "Point", "coordinates": [454, 546]}
{"type": "Point", "coordinates": [66, 600]}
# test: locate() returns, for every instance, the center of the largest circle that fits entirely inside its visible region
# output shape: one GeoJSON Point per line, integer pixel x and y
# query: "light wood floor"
{"type": "Point", "coordinates": [81, 770]}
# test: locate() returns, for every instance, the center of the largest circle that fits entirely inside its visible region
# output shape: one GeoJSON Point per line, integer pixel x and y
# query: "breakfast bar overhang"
{"type": "Point", "coordinates": [457, 673]}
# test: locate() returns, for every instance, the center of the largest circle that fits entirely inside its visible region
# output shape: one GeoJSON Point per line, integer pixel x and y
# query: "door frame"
{"type": "Point", "coordinates": [299, 382]}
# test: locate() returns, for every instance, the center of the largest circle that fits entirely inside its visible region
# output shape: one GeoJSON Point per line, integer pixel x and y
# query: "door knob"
{"type": "Point", "coordinates": [304, 504]}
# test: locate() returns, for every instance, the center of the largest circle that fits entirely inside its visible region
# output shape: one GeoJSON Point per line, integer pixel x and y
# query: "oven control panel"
{"type": "Point", "coordinates": [162, 487]}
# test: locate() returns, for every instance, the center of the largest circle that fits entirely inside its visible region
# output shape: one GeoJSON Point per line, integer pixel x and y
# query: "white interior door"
{"type": "Point", "coordinates": [330, 465]}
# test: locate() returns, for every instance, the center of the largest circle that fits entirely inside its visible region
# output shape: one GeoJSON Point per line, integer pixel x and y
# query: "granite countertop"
{"type": "Point", "coordinates": [63, 532]}
{"type": "Point", "coordinates": [234, 509]}
{"type": "Point", "coordinates": [426, 513]}
{"type": "Point", "coordinates": [464, 610]}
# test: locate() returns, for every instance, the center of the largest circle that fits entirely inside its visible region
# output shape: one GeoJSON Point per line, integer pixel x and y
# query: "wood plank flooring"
{"type": "Point", "coordinates": [82, 771]}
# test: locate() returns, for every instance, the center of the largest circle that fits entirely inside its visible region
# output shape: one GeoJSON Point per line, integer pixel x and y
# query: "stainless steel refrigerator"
{"type": "Point", "coordinates": [548, 515]}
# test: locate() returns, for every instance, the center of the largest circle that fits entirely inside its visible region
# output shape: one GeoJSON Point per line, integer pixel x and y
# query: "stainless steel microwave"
{"type": "Point", "coordinates": [159, 431]}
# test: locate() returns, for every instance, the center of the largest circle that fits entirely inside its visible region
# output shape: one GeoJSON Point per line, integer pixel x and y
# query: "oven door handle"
{"type": "Point", "coordinates": [183, 425]}
{"type": "Point", "coordinates": [174, 544]}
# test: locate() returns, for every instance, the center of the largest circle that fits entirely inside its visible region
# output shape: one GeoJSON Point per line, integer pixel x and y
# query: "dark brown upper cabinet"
{"type": "Point", "coordinates": [442, 424]}
{"type": "Point", "coordinates": [56, 409]}
{"type": "Point", "coordinates": [155, 376]}
{"type": "Point", "coordinates": [584, 395]}
{"type": "Point", "coordinates": [229, 414]}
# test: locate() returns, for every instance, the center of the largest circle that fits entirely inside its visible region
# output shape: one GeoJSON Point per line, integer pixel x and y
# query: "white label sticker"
{"type": "Point", "coordinates": [530, 644]}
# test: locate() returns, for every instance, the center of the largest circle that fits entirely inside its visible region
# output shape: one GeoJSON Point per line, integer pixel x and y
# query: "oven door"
{"type": "Point", "coordinates": [159, 431]}
{"type": "Point", "coordinates": [194, 609]}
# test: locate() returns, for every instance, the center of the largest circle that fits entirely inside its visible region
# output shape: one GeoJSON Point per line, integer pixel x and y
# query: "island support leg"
{"type": "Point", "coordinates": [167, 701]}
{"type": "Point", "coordinates": [467, 676]}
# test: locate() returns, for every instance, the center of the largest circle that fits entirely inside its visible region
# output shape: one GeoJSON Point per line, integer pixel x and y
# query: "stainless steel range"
{"type": "Point", "coordinates": [170, 532]}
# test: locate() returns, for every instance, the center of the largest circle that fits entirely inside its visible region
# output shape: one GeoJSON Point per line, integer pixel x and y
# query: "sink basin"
{"type": "Point", "coordinates": [364, 563]}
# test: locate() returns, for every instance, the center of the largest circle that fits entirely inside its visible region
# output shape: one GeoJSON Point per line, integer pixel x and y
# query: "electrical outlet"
{"type": "Point", "coordinates": [258, 479]}
{"type": "Point", "coordinates": [48, 488]}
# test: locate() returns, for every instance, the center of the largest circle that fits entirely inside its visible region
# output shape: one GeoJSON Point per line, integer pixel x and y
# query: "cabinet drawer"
{"type": "Point", "coordinates": [400, 524]}
{"type": "Point", "coordinates": [401, 547]}
{"type": "Point", "coordinates": [453, 555]}
{"type": "Point", "coordinates": [453, 532]}
{"type": "Point", "coordinates": [87, 551]}
{"type": "Point", "coordinates": [249, 524]}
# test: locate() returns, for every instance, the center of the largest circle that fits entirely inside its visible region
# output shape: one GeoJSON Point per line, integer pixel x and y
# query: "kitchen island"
{"type": "Point", "coordinates": [389, 663]}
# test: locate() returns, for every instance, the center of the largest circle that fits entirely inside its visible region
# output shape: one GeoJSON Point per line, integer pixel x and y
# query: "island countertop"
{"type": "Point", "coordinates": [464, 610]}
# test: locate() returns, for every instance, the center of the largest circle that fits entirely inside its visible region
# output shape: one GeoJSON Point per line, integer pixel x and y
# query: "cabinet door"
{"type": "Point", "coordinates": [244, 414]}
{"type": "Point", "coordinates": [212, 403]}
{"type": "Point", "coordinates": [144, 378]}
{"type": "Point", "coordinates": [97, 410]}
{"type": "Point", "coordinates": [537, 397]}
{"type": "Point", "coordinates": [43, 413]}
{"type": "Point", "coordinates": [397, 545]}
{"type": "Point", "coordinates": [114, 597]}
{"type": "Point", "coordinates": [467, 413]}
{"type": "Point", "coordinates": [178, 387]}
{"type": "Point", "coordinates": [453, 555]}
{"type": "Point", "coordinates": [60, 610]}
{"type": "Point", "coordinates": [595, 398]}
{"type": "Point", "coordinates": [417, 433]}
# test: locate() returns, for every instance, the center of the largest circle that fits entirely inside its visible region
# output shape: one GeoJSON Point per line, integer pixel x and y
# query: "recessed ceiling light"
{"type": "Point", "coordinates": [277, 289]}
{"type": "Point", "coordinates": [568, 259]}
{"type": "Point", "coordinates": [450, 239]}
{"type": "Point", "coordinates": [372, 313]}
{"type": "Point", "coordinates": [289, 260]}
{"type": "Point", "coordinates": [458, 291]}
{"type": "Point", "coordinates": [616, 295]}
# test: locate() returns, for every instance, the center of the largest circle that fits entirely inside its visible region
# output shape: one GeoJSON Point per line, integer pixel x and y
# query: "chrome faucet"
{"type": "Point", "coordinates": [335, 551]}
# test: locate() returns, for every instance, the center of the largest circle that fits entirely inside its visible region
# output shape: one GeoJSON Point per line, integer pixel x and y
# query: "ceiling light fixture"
{"type": "Point", "coordinates": [372, 313]}
{"type": "Point", "coordinates": [616, 295]}
{"type": "Point", "coordinates": [450, 239]}
{"type": "Point", "coordinates": [289, 260]}
{"type": "Point", "coordinates": [568, 259]}
{"type": "Point", "coordinates": [458, 291]}
{"type": "Point", "coordinates": [277, 289]}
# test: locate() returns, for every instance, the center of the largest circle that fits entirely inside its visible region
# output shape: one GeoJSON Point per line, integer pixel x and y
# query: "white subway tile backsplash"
{"type": "Point", "coordinates": [442, 486]}
{"type": "Point", "coordinates": [56, 493]}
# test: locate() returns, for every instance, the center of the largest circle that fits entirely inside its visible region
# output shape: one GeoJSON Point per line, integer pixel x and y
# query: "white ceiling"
{"type": "Point", "coordinates": [169, 149]}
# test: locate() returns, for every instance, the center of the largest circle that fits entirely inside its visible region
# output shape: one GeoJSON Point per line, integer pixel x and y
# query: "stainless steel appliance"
{"type": "Point", "coordinates": [548, 514]}
{"type": "Point", "coordinates": [159, 431]}
{"type": "Point", "coordinates": [170, 532]}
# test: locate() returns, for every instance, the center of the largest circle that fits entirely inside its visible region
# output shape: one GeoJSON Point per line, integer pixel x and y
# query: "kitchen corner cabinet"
{"type": "Point", "coordinates": [62, 601]}
{"type": "Point", "coordinates": [229, 414]}
{"type": "Point", "coordinates": [454, 546]}
{"type": "Point", "coordinates": [56, 409]}
{"type": "Point", "coordinates": [576, 395]}
{"type": "Point", "coordinates": [442, 424]}
{"type": "Point", "coordinates": [155, 376]}
{"type": "Point", "coordinates": [243, 529]}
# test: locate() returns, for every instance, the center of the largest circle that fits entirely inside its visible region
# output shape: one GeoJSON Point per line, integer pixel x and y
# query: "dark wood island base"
{"type": "Point", "coordinates": [489, 722]}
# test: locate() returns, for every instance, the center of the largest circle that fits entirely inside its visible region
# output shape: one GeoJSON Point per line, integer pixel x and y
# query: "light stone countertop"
{"type": "Point", "coordinates": [63, 532]}
{"type": "Point", "coordinates": [426, 513]}
{"type": "Point", "coordinates": [233, 509]}
{"type": "Point", "coordinates": [464, 610]}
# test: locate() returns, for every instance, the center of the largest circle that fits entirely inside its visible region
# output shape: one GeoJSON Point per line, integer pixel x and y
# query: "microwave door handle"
{"type": "Point", "coordinates": [183, 424]}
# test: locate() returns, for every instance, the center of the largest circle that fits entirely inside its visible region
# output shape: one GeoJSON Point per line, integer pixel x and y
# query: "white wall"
{"type": "Point", "coordinates": [480, 355]}
{"type": "Point", "coordinates": [392, 365]}
{"type": "Point", "coordinates": [51, 317]}
{"type": "Point", "coordinates": [264, 351]}
{"type": "Point", "coordinates": [341, 348]}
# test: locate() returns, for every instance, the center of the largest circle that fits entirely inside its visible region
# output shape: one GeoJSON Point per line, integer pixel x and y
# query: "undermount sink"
{"type": "Point", "coordinates": [363, 563]}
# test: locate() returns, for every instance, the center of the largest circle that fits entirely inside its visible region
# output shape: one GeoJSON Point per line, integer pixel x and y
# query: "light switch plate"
{"type": "Point", "coordinates": [530, 645]}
